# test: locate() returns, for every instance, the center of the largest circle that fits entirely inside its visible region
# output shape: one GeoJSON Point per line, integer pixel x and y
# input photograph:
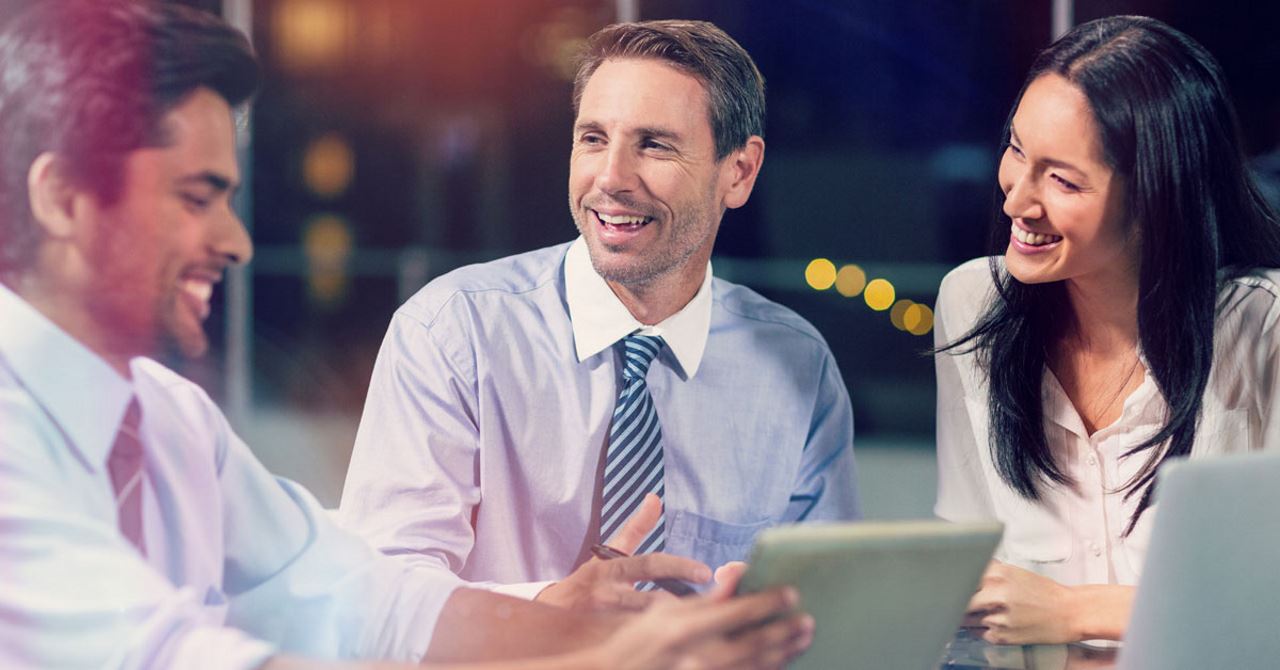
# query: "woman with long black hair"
{"type": "Point", "coordinates": [1131, 319]}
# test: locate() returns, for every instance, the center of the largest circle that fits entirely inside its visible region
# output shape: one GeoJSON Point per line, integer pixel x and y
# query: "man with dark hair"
{"type": "Point", "coordinates": [522, 409]}
{"type": "Point", "coordinates": [136, 530]}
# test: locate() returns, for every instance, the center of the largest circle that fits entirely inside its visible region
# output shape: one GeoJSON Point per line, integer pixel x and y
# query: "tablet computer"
{"type": "Point", "coordinates": [883, 595]}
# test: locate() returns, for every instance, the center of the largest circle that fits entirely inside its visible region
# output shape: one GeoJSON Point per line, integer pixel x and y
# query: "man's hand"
{"type": "Point", "coordinates": [730, 572]}
{"type": "Point", "coordinates": [762, 630]}
{"type": "Point", "coordinates": [610, 585]}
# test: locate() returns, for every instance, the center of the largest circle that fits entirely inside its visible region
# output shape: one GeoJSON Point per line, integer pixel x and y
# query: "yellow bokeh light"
{"type": "Point", "coordinates": [327, 243]}
{"type": "Point", "coordinates": [328, 165]}
{"type": "Point", "coordinates": [820, 274]}
{"type": "Point", "coordinates": [879, 294]}
{"type": "Point", "coordinates": [918, 319]}
{"type": "Point", "coordinates": [310, 33]}
{"type": "Point", "coordinates": [850, 281]}
{"type": "Point", "coordinates": [896, 314]}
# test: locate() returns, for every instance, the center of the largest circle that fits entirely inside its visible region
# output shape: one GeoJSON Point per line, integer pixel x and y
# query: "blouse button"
{"type": "Point", "coordinates": [1095, 548]}
{"type": "Point", "coordinates": [1091, 460]}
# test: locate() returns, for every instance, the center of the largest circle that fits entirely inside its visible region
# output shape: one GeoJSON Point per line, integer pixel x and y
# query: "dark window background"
{"type": "Point", "coordinates": [439, 135]}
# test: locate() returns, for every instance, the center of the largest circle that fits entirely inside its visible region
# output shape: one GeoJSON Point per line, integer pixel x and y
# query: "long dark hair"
{"type": "Point", "coordinates": [1166, 125]}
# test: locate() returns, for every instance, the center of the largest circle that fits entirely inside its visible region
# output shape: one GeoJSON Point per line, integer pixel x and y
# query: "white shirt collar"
{"type": "Point", "coordinates": [84, 395]}
{"type": "Point", "coordinates": [600, 319]}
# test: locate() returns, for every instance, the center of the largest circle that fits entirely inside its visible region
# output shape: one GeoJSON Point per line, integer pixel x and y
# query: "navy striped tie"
{"type": "Point", "coordinates": [633, 462]}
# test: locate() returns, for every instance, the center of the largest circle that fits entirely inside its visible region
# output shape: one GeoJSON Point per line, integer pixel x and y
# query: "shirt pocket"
{"type": "Point", "coordinates": [708, 540]}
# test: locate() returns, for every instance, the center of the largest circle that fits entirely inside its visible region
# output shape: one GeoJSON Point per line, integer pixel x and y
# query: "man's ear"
{"type": "Point", "coordinates": [743, 166]}
{"type": "Point", "coordinates": [52, 196]}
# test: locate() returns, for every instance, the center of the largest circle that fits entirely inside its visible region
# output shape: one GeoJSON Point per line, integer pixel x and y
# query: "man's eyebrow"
{"type": "Point", "coordinates": [660, 133]}
{"type": "Point", "coordinates": [656, 132]}
{"type": "Point", "coordinates": [213, 180]}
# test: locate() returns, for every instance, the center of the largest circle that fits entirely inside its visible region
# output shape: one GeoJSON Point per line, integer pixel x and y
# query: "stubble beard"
{"type": "Point", "coordinates": [648, 270]}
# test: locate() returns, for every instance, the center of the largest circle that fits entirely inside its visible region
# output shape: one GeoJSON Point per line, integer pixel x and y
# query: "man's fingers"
{"type": "Point", "coordinates": [730, 572]}
{"type": "Point", "coordinates": [638, 527]}
{"type": "Point", "coordinates": [742, 612]}
{"type": "Point", "coordinates": [659, 566]}
{"type": "Point", "coordinates": [768, 646]}
{"type": "Point", "coordinates": [625, 597]}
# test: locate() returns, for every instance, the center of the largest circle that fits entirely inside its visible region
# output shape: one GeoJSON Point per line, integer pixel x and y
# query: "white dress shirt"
{"type": "Point", "coordinates": [482, 441]}
{"type": "Point", "coordinates": [1075, 537]}
{"type": "Point", "coordinates": [239, 564]}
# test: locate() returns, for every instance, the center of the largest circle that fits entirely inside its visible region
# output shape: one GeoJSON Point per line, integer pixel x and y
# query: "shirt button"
{"type": "Point", "coordinates": [1091, 460]}
{"type": "Point", "coordinates": [1095, 548]}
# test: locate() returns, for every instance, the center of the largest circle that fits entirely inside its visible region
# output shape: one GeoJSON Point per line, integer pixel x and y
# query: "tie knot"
{"type": "Point", "coordinates": [638, 352]}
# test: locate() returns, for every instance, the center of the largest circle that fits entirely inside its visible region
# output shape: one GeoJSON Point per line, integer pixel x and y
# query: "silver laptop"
{"type": "Point", "coordinates": [1209, 596]}
{"type": "Point", "coordinates": [884, 595]}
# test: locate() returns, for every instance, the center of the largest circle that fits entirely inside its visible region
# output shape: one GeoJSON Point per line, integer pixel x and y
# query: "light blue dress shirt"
{"type": "Point", "coordinates": [239, 563]}
{"type": "Point", "coordinates": [484, 431]}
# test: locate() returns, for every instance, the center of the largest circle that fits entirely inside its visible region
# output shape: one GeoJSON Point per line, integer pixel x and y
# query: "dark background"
{"type": "Point", "coordinates": [883, 128]}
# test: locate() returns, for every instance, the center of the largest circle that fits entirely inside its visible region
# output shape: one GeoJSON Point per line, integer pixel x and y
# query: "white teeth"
{"type": "Point", "coordinates": [621, 220]}
{"type": "Point", "coordinates": [199, 289]}
{"type": "Point", "coordinates": [1033, 239]}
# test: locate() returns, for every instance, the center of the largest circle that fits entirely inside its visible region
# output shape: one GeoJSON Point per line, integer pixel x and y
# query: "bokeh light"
{"type": "Point", "coordinates": [310, 34]}
{"type": "Point", "coordinates": [820, 274]}
{"type": "Point", "coordinates": [879, 294]}
{"type": "Point", "coordinates": [328, 165]}
{"type": "Point", "coordinates": [327, 242]}
{"type": "Point", "coordinates": [918, 319]}
{"type": "Point", "coordinates": [850, 281]}
{"type": "Point", "coordinates": [896, 314]}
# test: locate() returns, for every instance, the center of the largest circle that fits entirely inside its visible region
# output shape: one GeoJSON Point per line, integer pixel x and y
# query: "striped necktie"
{"type": "Point", "coordinates": [127, 467]}
{"type": "Point", "coordinates": [633, 461]}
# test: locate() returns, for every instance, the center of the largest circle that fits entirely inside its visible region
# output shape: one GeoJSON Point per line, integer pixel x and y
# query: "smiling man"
{"type": "Point", "coordinates": [136, 530]}
{"type": "Point", "coordinates": [520, 410]}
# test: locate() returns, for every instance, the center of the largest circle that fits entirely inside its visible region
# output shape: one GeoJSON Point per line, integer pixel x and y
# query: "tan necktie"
{"type": "Point", "coordinates": [127, 467]}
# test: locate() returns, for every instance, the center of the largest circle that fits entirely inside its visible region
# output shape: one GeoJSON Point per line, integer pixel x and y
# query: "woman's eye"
{"type": "Point", "coordinates": [1070, 186]}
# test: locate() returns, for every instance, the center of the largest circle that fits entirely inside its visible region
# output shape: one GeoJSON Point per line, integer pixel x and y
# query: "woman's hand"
{"type": "Point", "coordinates": [1017, 606]}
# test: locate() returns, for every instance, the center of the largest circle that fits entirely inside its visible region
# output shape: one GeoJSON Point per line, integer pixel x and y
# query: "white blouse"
{"type": "Point", "coordinates": [1075, 536]}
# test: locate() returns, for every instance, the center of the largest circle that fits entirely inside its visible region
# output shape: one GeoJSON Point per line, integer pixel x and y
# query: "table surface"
{"type": "Point", "coordinates": [966, 651]}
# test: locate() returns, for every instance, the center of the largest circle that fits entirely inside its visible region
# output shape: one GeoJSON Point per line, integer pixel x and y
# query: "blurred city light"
{"type": "Point", "coordinates": [310, 34]}
{"type": "Point", "coordinates": [327, 243]}
{"type": "Point", "coordinates": [820, 274]}
{"type": "Point", "coordinates": [896, 314]}
{"type": "Point", "coordinates": [918, 319]}
{"type": "Point", "coordinates": [850, 281]}
{"type": "Point", "coordinates": [328, 165]}
{"type": "Point", "coordinates": [879, 294]}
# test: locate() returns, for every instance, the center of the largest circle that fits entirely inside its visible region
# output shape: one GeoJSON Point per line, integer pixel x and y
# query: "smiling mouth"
{"type": "Point", "coordinates": [198, 292]}
{"type": "Point", "coordinates": [1033, 239]}
{"type": "Point", "coordinates": [623, 222]}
